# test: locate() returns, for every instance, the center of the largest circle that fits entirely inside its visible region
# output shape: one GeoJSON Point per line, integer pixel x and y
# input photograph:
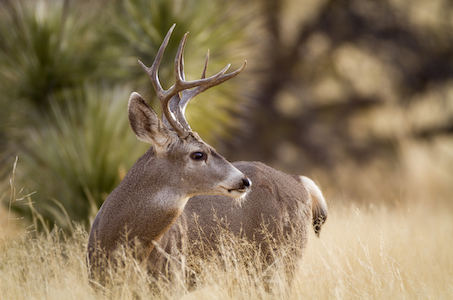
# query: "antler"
{"type": "Point", "coordinates": [173, 105]}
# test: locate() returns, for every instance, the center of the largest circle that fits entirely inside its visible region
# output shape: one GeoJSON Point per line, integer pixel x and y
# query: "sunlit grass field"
{"type": "Point", "coordinates": [363, 253]}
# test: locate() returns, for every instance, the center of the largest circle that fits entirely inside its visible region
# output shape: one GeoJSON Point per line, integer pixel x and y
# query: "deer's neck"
{"type": "Point", "coordinates": [143, 207]}
{"type": "Point", "coordinates": [151, 216]}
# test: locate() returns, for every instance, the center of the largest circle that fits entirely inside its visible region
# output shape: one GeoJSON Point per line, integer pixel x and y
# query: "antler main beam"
{"type": "Point", "coordinates": [188, 89]}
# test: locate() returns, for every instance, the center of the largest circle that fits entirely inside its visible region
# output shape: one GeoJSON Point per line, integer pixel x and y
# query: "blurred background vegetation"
{"type": "Point", "coordinates": [357, 94]}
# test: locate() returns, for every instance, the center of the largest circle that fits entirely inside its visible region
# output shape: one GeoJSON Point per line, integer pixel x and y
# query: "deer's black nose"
{"type": "Point", "coordinates": [246, 182]}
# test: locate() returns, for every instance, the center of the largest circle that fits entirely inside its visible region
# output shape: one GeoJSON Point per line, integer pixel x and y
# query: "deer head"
{"type": "Point", "coordinates": [181, 150]}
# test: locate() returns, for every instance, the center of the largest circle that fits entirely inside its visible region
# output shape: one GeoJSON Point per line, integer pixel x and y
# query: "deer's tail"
{"type": "Point", "coordinates": [318, 203]}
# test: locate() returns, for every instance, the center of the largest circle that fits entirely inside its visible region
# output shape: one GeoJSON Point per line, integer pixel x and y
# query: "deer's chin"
{"type": "Point", "coordinates": [239, 197]}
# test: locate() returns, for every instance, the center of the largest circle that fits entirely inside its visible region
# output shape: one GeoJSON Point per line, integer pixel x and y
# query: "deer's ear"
{"type": "Point", "coordinates": [145, 123]}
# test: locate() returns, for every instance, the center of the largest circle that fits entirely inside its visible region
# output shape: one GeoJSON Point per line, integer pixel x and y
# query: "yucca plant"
{"type": "Point", "coordinates": [79, 153]}
{"type": "Point", "coordinates": [46, 46]}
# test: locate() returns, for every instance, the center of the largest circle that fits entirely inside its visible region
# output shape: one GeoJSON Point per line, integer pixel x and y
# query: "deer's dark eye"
{"type": "Point", "coordinates": [198, 156]}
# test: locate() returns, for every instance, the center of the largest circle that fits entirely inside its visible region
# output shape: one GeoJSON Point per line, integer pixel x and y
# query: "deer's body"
{"type": "Point", "coordinates": [285, 213]}
{"type": "Point", "coordinates": [181, 185]}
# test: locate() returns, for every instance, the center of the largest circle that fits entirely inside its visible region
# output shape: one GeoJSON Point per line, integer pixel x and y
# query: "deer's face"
{"type": "Point", "coordinates": [184, 164]}
{"type": "Point", "coordinates": [200, 170]}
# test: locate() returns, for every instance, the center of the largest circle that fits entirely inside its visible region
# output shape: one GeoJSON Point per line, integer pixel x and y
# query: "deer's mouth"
{"type": "Point", "coordinates": [239, 191]}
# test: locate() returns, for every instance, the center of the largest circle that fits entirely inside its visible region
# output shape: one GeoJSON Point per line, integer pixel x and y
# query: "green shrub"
{"type": "Point", "coordinates": [79, 153]}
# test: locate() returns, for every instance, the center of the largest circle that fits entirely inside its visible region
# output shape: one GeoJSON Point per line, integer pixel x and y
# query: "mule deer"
{"type": "Point", "coordinates": [181, 177]}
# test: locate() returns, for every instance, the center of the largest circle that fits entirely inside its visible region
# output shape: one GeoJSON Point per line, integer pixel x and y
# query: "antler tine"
{"type": "Point", "coordinates": [203, 75]}
{"type": "Point", "coordinates": [220, 78]}
{"type": "Point", "coordinates": [228, 76]}
{"type": "Point", "coordinates": [181, 69]}
{"type": "Point", "coordinates": [154, 69]}
{"type": "Point", "coordinates": [179, 63]}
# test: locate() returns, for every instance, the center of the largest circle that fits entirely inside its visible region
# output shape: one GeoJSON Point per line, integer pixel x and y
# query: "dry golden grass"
{"type": "Point", "coordinates": [381, 254]}
{"type": "Point", "coordinates": [377, 253]}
